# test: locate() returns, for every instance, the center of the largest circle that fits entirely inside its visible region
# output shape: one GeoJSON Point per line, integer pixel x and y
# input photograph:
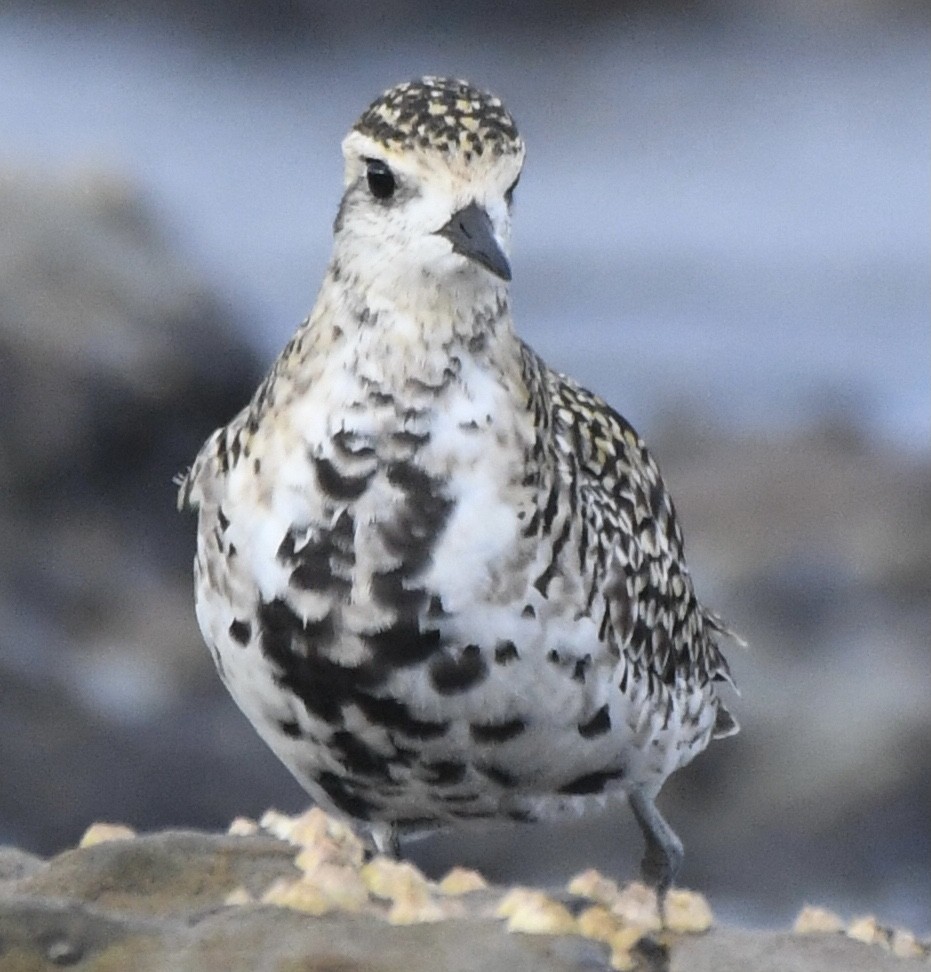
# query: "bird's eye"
{"type": "Point", "coordinates": [380, 179]}
{"type": "Point", "coordinates": [509, 192]}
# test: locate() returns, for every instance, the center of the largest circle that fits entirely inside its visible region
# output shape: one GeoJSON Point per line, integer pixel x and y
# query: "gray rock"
{"type": "Point", "coordinates": [116, 361]}
{"type": "Point", "coordinates": [16, 864]}
{"type": "Point", "coordinates": [157, 903]}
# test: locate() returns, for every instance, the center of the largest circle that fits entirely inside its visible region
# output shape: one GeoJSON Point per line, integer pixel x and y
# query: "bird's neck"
{"type": "Point", "coordinates": [400, 332]}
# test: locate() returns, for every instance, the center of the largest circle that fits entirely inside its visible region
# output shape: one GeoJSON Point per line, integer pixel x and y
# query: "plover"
{"type": "Point", "coordinates": [444, 581]}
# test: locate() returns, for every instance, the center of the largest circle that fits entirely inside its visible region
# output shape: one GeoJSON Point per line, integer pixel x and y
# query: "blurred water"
{"type": "Point", "coordinates": [734, 221]}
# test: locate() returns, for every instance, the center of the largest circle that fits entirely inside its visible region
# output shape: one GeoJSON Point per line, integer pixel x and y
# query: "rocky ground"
{"type": "Point", "coordinates": [116, 361]}
{"type": "Point", "coordinates": [301, 894]}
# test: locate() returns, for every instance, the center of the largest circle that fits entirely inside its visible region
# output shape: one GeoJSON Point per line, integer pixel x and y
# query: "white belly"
{"type": "Point", "coordinates": [504, 701]}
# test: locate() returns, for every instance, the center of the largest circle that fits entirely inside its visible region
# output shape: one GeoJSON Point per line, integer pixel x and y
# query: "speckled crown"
{"type": "Point", "coordinates": [443, 114]}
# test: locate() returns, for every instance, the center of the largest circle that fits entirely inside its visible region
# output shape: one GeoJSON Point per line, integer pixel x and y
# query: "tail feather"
{"type": "Point", "coordinates": [724, 723]}
{"type": "Point", "coordinates": [718, 624]}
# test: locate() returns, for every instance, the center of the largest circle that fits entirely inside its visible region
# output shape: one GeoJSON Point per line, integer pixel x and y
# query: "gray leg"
{"type": "Point", "coordinates": [664, 851]}
{"type": "Point", "coordinates": [387, 840]}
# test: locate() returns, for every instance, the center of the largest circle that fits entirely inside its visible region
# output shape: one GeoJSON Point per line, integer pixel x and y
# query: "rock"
{"type": "Point", "coordinates": [16, 864]}
{"type": "Point", "coordinates": [115, 354]}
{"type": "Point", "coordinates": [187, 902]}
{"type": "Point", "coordinates": [116, 361]}
{"type": "Point", "coordinates": [733, 950]}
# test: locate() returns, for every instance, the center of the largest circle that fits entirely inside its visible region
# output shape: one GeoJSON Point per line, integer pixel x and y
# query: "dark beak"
{"type": "Point", "coordinates": [471, 234]}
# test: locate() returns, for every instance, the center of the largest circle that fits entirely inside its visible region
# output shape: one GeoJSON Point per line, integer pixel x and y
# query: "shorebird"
{"type": "Point", "coordinates": [444, 581]}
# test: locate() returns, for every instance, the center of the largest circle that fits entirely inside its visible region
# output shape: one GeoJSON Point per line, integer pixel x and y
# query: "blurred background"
{"type": "Point", "coordinates": [722, 227]}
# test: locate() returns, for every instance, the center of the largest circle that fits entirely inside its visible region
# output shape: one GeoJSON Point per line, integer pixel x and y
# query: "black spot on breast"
{"type": "Point", "coordinates": [313, 573]}
{"type": "Point", "coordinates": [343, 533]}
{"type": "Point", "coordinates": [598, 725]}
{"type": "Point", "coordinates": [451, 675]}
{"type": "Point", "coordinates": [283, 630]}
{"type": "Point", "coordinates": [388, 589]}
{"type": "Point", "coordinates": [444, 772]}
{"type": "Point", "coordinates": [505, 652]}
{"type": "Point", "coordinates": [403, 644]}
{"type": "Point", "coordinates": [352, 444]}
{"type": "Point", "coordinates": [478, 342]}
{"type": "Point", "coordinates": [418, 384]}
{"type": "Point", "coordinates": [394, 714]}
{"type": "Point", "coordinates": [497, 732]}
{"type": "Point", "coordinates": [460, 798]}
{"type": "Point", "coordinates": [344, 798]}
{"type": "Point", "coordinates": [295, 648]}
{"type": "Point", "coordinates": [402, 755]}
{"type": "Point", "coordinates": [358, 757]}
{"type": "Point", "coordinates": [435, 610]}
{"type": "Point", "coordinates": [528, 612]}
{"type": "Point", "coordinates": [241, 632]}
{"type": "Point", "coordinates": [590, 783]}
{"type": "Point", "coordinates": [418, 522]}
{"type": "Point", "coordinates": [415, 440]}
{"type": "Point", "coordinates": [325, 562]}
{"type": "Point", "coordinates": [290, 728]}
{"type": "Point", "coordinates": [286, 548]}
{"type": "Point", "coordinates": [580, 668]}
{"type": "Point", "coordinates": [552, 656]}
{"type": "Point", "coordinates": [221, 519]}
{"type": "Point", "coordinates": [338, 486]}
{"type": "Point", "coordinates": [497, 775]}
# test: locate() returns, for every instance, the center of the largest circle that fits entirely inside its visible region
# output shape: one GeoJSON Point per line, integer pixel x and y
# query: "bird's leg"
{"type": "Point", "coordinates": [387, 840]}
{"type": "Point", "coordinates": [664, 852]}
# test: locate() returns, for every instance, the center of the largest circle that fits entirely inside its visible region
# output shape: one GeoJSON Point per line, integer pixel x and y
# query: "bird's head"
{"type": "Point", "coordinates": [431, 168]}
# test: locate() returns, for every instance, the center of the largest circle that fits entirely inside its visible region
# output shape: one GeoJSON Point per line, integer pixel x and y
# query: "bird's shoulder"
{"type": "Point", "coordinates": [612, 460]}
{"type": "Point", "coordinates": [225, 448]}
{"type": "Point", "coordinates": [230, 445]}
{"type": "Point", "coordinates": [646, 581]}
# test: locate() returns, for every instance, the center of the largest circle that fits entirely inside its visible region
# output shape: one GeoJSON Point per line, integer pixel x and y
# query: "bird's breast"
{"type": "Point", "coordinates": [370, 489]}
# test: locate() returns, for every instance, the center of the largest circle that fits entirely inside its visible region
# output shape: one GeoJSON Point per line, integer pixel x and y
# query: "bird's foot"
{"type": "Point", "coordinates": [386, 839]}
{"type": "Point", "coordinates": [664, 852]}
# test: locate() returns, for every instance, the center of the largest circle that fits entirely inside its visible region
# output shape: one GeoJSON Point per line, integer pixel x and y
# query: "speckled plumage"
{"type": "Point", "coordinates": [442, 115]}
{"type": "Point", "coordinates": [442, 580]}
